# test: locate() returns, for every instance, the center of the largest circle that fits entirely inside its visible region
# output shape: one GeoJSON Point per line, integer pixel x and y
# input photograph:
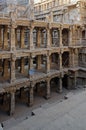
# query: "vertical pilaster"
{"type": "Point", "coordinates": [60, 61]}
{"type": "Point", "coordinates": [60, 85]}
{"type": "Point", "coordinates": [48, 37]}
{"type": "Point", "coordinates": [47, 63]}
{"type": "Point", "coordinates": [80, 35]}
{"type": "Point", "coordinates": [74, 36]}
{"type": "Point", "coordinates": [22, 37]}
{"type": "Point", "coordinates": [73, 58]}
{"type": "Point", "coordinates": [12, 103]}
{"type": "Point", "coordinates": [12, 44]}
{"type": "Point", "coordinates": [70, 36]}
{"type": "Point", "coordinates": [30, 63]}
{"type": "Point", "coordinates": [5, 68]}
{"type": "Point", "coordinates": [76, 57]}
{"type": "Point", "coordinates": [51, 16]}
{"type": "Point", "coordinates": [42, 37]}
{"type": "Point", "coordinates": [5, 46]}
{"type": "Point", "coordinates": [16, 42]}
{"type": "Point", "coordinates": [60, 36]}
{"type": "Point", "coordinates": [30, 66]}
{"type": "Point", "coordinates": [47, 96]}
{"type": "Point", "coordinates": [12, 71]}
{"type": "Point", "coordinates": [22, 65]}
{"type": "Point", "coordinates": [51, 40]}
{"type": "Point", "coordinates": [39, 62]}
{"type": "Point", "coordinates": [38, 38]}
{"type": "Point", "coordinates": [31, 46]}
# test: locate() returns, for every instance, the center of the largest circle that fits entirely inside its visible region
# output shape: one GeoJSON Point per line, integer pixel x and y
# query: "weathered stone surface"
{"type": "Point", "coordinates": [42, 52]}
{"type": "Point", "coordinates": [65, 115]}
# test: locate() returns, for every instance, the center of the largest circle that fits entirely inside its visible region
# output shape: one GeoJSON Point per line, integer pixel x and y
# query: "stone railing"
{"type": "Point", "coordinates": [84, 42]}
{"type": "Point", "coordinates": [2, 14]}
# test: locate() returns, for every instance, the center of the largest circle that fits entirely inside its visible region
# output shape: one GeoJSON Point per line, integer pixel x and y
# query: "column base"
{"type": "Point", "coordinates": [31, 48]}
{"type": "Point", "coordinates": [59, 91]}
{"type": "Point", "coordinates": [48, 46]}
{"type": "Point", "coordinates": [12, 49]}
{"type": "Point", "coordinates": [29, 104]}
{"type": "Point", "coordinates": [47, 97]}
{"type": "Point", "coordinates": [10, 113]}
{"type": "Point", "coordinates": [12, 80]}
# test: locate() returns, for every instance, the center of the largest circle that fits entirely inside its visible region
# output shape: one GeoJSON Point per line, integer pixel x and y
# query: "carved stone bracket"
{"type": "Point", "coordinates": [13, 57]}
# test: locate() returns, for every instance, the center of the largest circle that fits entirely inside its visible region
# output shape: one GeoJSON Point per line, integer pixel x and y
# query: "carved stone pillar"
{"type": "Point", "coordinates": [47, 64]}
{"type": "Point", "coordinates": [16, 42]}
{"type": "Point", "coordinates": [74, 36]}
{"type": "Point", "coordinates": [30, 63]}
{"type": "Point", "coordinates": [22, 37]}
{"type": "Point", "coordinates": [80, 36]}
{"type": "Point", "coordinates": [12, 103]}
{"type": "Point", "coordinates": [48, 37]}
{"type": "Point", "coordinates": [42, 38]}
{"type": "Point", "coordinates": [70, 36]}
{"type": "Point", "coordinates": [39, 62]}
{"type": "Point", "coordinates": [38, 38]}
{"type": "Point", "coordinates": [12, 44]}
{"type": "Point", "coordinates": [31, 46]}
{"type": "Point", "coordinates": [60, 61]}
{"type": "Point", "coordinates": [73, 58]}
{"type": "Point", "coordinates": [30, 66]}
{"type": "Point", "coordinates": [47, 96]}
{"type": "Point", "coordinates": [76, 57]}
{"type": "Point", "coordinates": [51, 16]}
{"type": "Point", "coordinates": [0, 37]}
{"type": "Point", "coordinates": [51, 39]}
{"type": "Point", "coordinates": [60, 85]}
{"type": "Point", "coordinates": [5, 46]}
{"type": "Point", "coordinates": [22, 65]}
{"type": "Point", "coordinates": [12, 71]}
{"type": "Point", "coordinates": [5, 68]}
{"type": "Point", "coordinates": [30, 96]}
{"type": "Point", "coordinates": [60, 36]}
